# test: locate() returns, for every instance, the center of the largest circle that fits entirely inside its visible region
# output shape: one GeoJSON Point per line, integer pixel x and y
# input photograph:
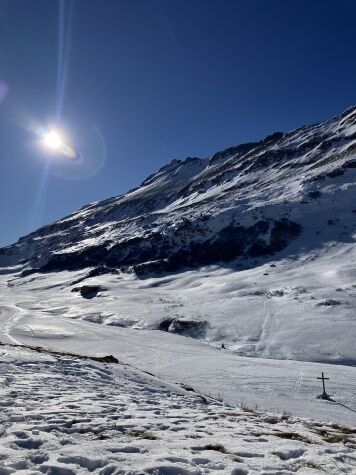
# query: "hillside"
{"type": "Point", "coordinates": [224, 287]}
{"type": "Point", "coordinates": [253, 248]}
{"type": "Point", "coordinates": [285, 194]}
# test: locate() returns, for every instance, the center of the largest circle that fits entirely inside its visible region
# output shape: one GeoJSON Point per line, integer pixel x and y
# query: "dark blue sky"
{"type": "Point", "coordinates": [148, 81]}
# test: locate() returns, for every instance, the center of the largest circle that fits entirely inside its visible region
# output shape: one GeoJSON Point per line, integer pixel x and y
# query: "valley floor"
{"type": "Point", "coordinates": [41, 310]}
{"type": "Point", "coordinates": [61, 415]}
{"type": "Point", "coordinates": [282, 324]}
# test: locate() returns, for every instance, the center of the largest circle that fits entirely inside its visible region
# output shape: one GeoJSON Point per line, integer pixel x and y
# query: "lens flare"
{"type": "Point", "coordinates": [54, 141]}
{"type": "Point", "coordinates": [88, 144]}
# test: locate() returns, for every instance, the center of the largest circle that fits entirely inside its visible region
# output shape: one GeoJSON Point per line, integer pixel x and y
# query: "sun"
{"type": "Point", "coordinates": [53, 140]}
{"type": "Point", "coordinates": [56, 143]}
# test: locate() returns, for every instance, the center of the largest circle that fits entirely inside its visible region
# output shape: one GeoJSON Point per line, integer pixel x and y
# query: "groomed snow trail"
{"type": "Point", "coordinates": [67, 416]}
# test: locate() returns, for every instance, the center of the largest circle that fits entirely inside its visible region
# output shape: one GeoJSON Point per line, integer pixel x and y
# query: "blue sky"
{"type": "Point", "coordinates": [141, 82]}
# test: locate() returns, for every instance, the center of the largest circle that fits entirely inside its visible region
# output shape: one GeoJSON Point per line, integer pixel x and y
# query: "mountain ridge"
{"type": "Point", "coordinates": [197, 211]}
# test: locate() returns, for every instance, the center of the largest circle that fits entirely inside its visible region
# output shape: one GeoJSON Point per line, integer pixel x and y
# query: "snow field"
{"type": "Point", "coordinates": [61, 415]}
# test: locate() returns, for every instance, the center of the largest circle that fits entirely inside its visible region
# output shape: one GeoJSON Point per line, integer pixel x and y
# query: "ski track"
{"type": "Point", "coordinates": [8, 314]}
{"type": "Point", "coordinates": [261, 336]}
{"type": "Point", "coordinates": [66, 416]}
{"type": "Point", "coordinates": [298, 383]}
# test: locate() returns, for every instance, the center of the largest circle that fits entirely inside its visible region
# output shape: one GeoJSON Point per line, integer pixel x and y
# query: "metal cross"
{"type": "Point", "coordinates": [323, 379]}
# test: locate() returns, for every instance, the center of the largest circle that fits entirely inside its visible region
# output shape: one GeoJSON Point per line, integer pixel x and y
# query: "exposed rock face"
{"type": "Point", "coordinates": [185, 326]}
{"type": "Point", "coordinates": [88, 291]}
{"type": "Point", "coordinates": [246, 202]}
{"type": "Point", "coordinates": [156, 252]}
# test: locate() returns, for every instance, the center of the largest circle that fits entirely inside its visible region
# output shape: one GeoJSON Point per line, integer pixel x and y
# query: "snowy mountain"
{"type": "Point", "coordinates": [253, 247]}
{"type": "Point", "coordinates": [284, 194]}
{"type": "Point", "coordinates": [223, 287]}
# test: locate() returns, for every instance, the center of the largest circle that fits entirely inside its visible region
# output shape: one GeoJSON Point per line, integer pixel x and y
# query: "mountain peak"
{"type": "Point", "coordinates": [245, 202]}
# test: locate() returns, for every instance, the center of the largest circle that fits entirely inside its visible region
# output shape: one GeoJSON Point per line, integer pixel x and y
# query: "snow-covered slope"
{"type": "Point", "coordinates": [122, 421]}
{"type": "Point", "coordinates": [234, 275]}
{"type": "Point", "coordinates": [247, 202]}
{"type": "Point", "coordinates": [261, 239]}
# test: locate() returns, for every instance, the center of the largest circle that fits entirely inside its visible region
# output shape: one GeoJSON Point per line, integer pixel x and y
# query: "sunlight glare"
{"type": "Point", "coordinates": [53, 140]}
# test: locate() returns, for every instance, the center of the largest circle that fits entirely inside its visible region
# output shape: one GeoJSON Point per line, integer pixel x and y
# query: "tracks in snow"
{"type": "Point", "coordinates": [8, 317]}
{"type": "Point", "coordinates": [64, 416]}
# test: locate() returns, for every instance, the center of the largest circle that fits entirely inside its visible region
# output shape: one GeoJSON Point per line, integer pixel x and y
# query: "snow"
{"type": "Point", "coordinates": [120, 420]}
{"type": "Point", "coordinates": [276, 310]}
{"type": "Point", "coordinates": [281, 317]}
{"type": "Point", "coordinates": [271, 179]}
{"type": "Point", "coordinates": [237, 391]}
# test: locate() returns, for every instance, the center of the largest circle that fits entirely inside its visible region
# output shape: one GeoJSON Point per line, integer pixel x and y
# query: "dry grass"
{"type": "Point", "coordinates": [101, 436]}
{"type": "Point", "coordinates": [194, 436]}
{"type": "Point", "coordinates": [334, 434]}
{"type": "Point", "coordinates": [232, 414]}
{"type": "Point", "coordinates": [142, 435]}
{"type": "Point", "coordinates": [292, 436]}
{"type": "Point", "coordinates": [271, 419]}
{"type": "Point", "coordinates": [335, 438]}
{"type": "Point", "coordinates": [285, 435]}
{"type": "Point", "coordinates": [285, 416]}
{"type": "Point", "coordinates": [216, 447]}
{"type": "Point", "coordinates": [244, 407]}
{"type": "Point", "coordinates": [343, 429]}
